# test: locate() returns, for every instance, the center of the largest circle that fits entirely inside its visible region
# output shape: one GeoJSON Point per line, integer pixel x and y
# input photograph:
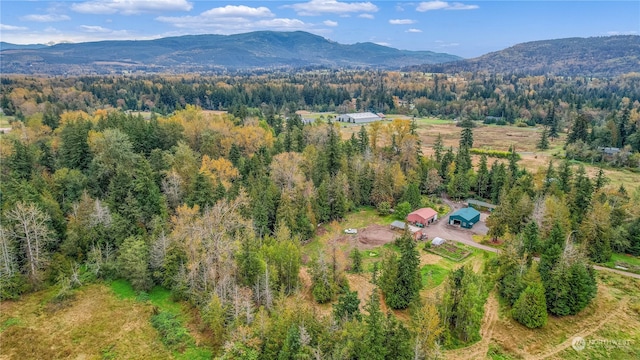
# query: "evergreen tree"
{"type": "Point", "coordinates": [387, 280]}
{"type": "Point", "coordinates": [374, 340]}
{"type": "Point", "coordinates": [513, 163]}
{"type": "Point", "coordinates": [347, 307]}
{"type": "Point", "coordinates": [408, 281]}
{"type": "Point", "coordinates": [412, 196]}
{"type": "Point", "coordinates": [498, 180]}
{"type": "Point", "coordinates": [565, 176]}
{"type": "Point", "coordinates": [74, 152]}
{"type": "Point", "coordinates": [323, 287]}
{"type": "Point", "coordinates": [579, 130]}
{"type": "Point", "coordinates": [201, 192]}
{"type": "Point", "coordinates": [333, 151]}
{"type": "Point", "coordinates": [21, 161]}
{"type": "Point", "coordinates": [438, 148]}
{"type": "Point", "coordinates": [530, 309]}
{"type": "Point", "coordinates": [601, 180]}
{"type": "Point", "coordinates": [133, 263]}
{"type": "Point", "coordinates": [356, 261]}
{"type": "Point", "coordinates": [482, 179]}
{"type": "Point", "coordinates": [549, 178]}
{"type": "Point", "coordinates": [363, 140]}
{"type": "Point", "coordinates": [466, 138]}
{"type": "Point", "coordinates": [552, 250]}
{"type": "Point", "coordinates": [530, 238]}
{"type": "Point", "coordinates": [291, 347]}
{"type": "Point", "coordinates": [397, 339]}
{"type": "Point", "coordinates": [543, 144]}
{"type": "Point", "coordinates": [322, 207]}
{"type": "Point", "coordinates": [580, 196]}
{"type": "Point", "coordinates": [583, 286]}
{"type": "Point", "coordinates": [552, 122]}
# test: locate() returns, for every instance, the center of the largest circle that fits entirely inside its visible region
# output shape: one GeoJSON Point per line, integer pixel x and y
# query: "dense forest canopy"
{"type": "Point", "coordinates": [217, 206]}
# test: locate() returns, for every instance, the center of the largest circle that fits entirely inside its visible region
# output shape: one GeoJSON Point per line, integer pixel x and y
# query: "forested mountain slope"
{"type": "Point", "coordinates": [262, 49]}
{"type": "Point", "coordinates": [594, 56]}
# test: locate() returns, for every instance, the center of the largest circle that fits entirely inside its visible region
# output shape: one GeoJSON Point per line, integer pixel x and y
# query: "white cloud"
{"type": "Point", "coordinates": [414, 31]}
{"type": "Point", "coordinates": [234, 19]}
{"type": "Point", "coordinates": [45, 17]}
{"type": "Point", "coordinates": [447, 45]}
{"type": "Point", "coordinates": [4, 27]}
{"type": "Point", "coordinates": [366, 16]}
{"type": "Point", "coordinates": [130, 7]}
{"type": "Point", "coordinates": [443, 5]}
{"type": "Point", "coordinates": [95, 29]}
{"type": "Point", "coordinates": [401, 21]}
{"type": "Point", "coordinates": [240, 10]}
{"type": "Point", "coordinates": [318, 7]}
{"type": "Point", "coordinates": [330, 23]}
{"type": "Point", "coordinates": [382, 43]}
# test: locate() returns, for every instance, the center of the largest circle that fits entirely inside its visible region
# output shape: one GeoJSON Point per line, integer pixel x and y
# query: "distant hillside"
{"type": "Point", "coordinates": [594, 56]}
{"type": "Point", "coordinates": [263, 49]}
{"type": "Point", "coordinates": [9, 46]}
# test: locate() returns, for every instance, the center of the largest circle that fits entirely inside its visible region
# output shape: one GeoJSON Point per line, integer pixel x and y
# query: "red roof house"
{"type": "Point", "coordinates": [424, 216]}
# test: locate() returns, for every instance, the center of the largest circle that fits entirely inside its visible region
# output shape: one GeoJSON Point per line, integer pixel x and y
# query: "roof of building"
{"type": "Point", "coordinates": [414, 229]}
{"type": "Point", "coordinates": [466, 213]}
{"type": "Point", "coordinates": [362, 115]}
{"type": "Point", "coordinates": [398, 224]}
{"type": "Point", "coordinates": [610, 150]}
{"type": "Point", "coordinates": [425, 213]}
{"type": "Point", "coordinates": [438, 241]}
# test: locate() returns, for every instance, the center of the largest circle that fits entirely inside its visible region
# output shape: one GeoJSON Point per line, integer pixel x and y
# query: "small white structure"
{"type": "Point", "coordinates": [359, 118]}
{"type": "Point", "coordinates": [437, 241]}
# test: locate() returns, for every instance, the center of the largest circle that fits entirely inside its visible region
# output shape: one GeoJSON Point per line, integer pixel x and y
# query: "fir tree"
{"type": "Point", "coordinates": [363, 139]}
{"type": "Point", "coordinates": [374, 340]}
{"type": "Point", "coordinates": [412, 196]}
{"type": "Point", "coordinates": [543, 144]}
{"type": "Point", "coordinates": [579, 130]}
{"type": "Point", "coordinates": [408, 281]}
{"type": "Point", "coordinates": [530, 309]}
{"type": "Point", "coordinates": [347, 307]}
{"type": "Point", "coordinates": [356, 261]}
{"type": "Point", "coordinates": [482, 179]}
{"type": "Point", "coordinates": [438, 148]}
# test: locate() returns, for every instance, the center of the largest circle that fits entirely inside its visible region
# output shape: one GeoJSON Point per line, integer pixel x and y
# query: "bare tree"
{"type": "Point", "coordinates": [172, 186]}
{"type": "Point", "coordinates": [32, 233]}
{"type": "Point", "coordinates": [7, 255]}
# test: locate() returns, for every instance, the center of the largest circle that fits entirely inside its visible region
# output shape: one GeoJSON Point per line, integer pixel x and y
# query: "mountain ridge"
{"type": "Point", "coordinates": [591, 56]}
{"type": "Point", "coordinates": [261, 49]}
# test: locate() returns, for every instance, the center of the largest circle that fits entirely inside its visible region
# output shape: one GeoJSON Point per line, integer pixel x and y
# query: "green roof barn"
{"type": "Point", "coordinates": [465, 217]}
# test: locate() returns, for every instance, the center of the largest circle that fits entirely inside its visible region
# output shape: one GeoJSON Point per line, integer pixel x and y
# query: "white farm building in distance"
{"type": "Point", "coordinates": [359, 118]}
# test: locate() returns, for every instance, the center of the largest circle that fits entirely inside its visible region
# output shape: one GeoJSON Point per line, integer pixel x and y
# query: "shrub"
{"type": "Point", "coordinates": [173, 334]}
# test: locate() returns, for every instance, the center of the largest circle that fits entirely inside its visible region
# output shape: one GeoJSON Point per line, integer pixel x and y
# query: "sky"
{"type": "Point", "coordinates": [463, 28]}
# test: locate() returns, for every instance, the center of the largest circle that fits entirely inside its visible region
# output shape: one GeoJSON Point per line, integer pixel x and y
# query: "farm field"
{"type": "Point", "coordinates": [100, 321]}
{"type": "Point", "coordinates": [494, 137]}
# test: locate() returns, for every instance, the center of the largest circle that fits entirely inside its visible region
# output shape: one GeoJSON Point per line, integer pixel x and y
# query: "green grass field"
{"type": "Point", "coordinates": [433, 275]}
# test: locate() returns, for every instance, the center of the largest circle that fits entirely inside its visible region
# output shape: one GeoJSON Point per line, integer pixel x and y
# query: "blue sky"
{"type": "Point", "coordinates": [464, 28]}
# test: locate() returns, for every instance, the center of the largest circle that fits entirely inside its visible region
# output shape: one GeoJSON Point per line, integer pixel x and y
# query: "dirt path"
{"type": "Point", "coordinates": [479, 350]}
{"type": "Point", "coordinates": [583, 334]}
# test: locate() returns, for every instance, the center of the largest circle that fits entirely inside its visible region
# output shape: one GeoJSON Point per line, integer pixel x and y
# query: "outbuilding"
{"type": "Point", "coordinates": [359, 118]}
{"type": "Point", "coordinates": [415, 231]}
{"type": "Point", "coordinates": [422, 217]}
{"type": "Point", "coordinates": [437, 241]}
{"type": "Point", "coordinates": [465, 217]}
